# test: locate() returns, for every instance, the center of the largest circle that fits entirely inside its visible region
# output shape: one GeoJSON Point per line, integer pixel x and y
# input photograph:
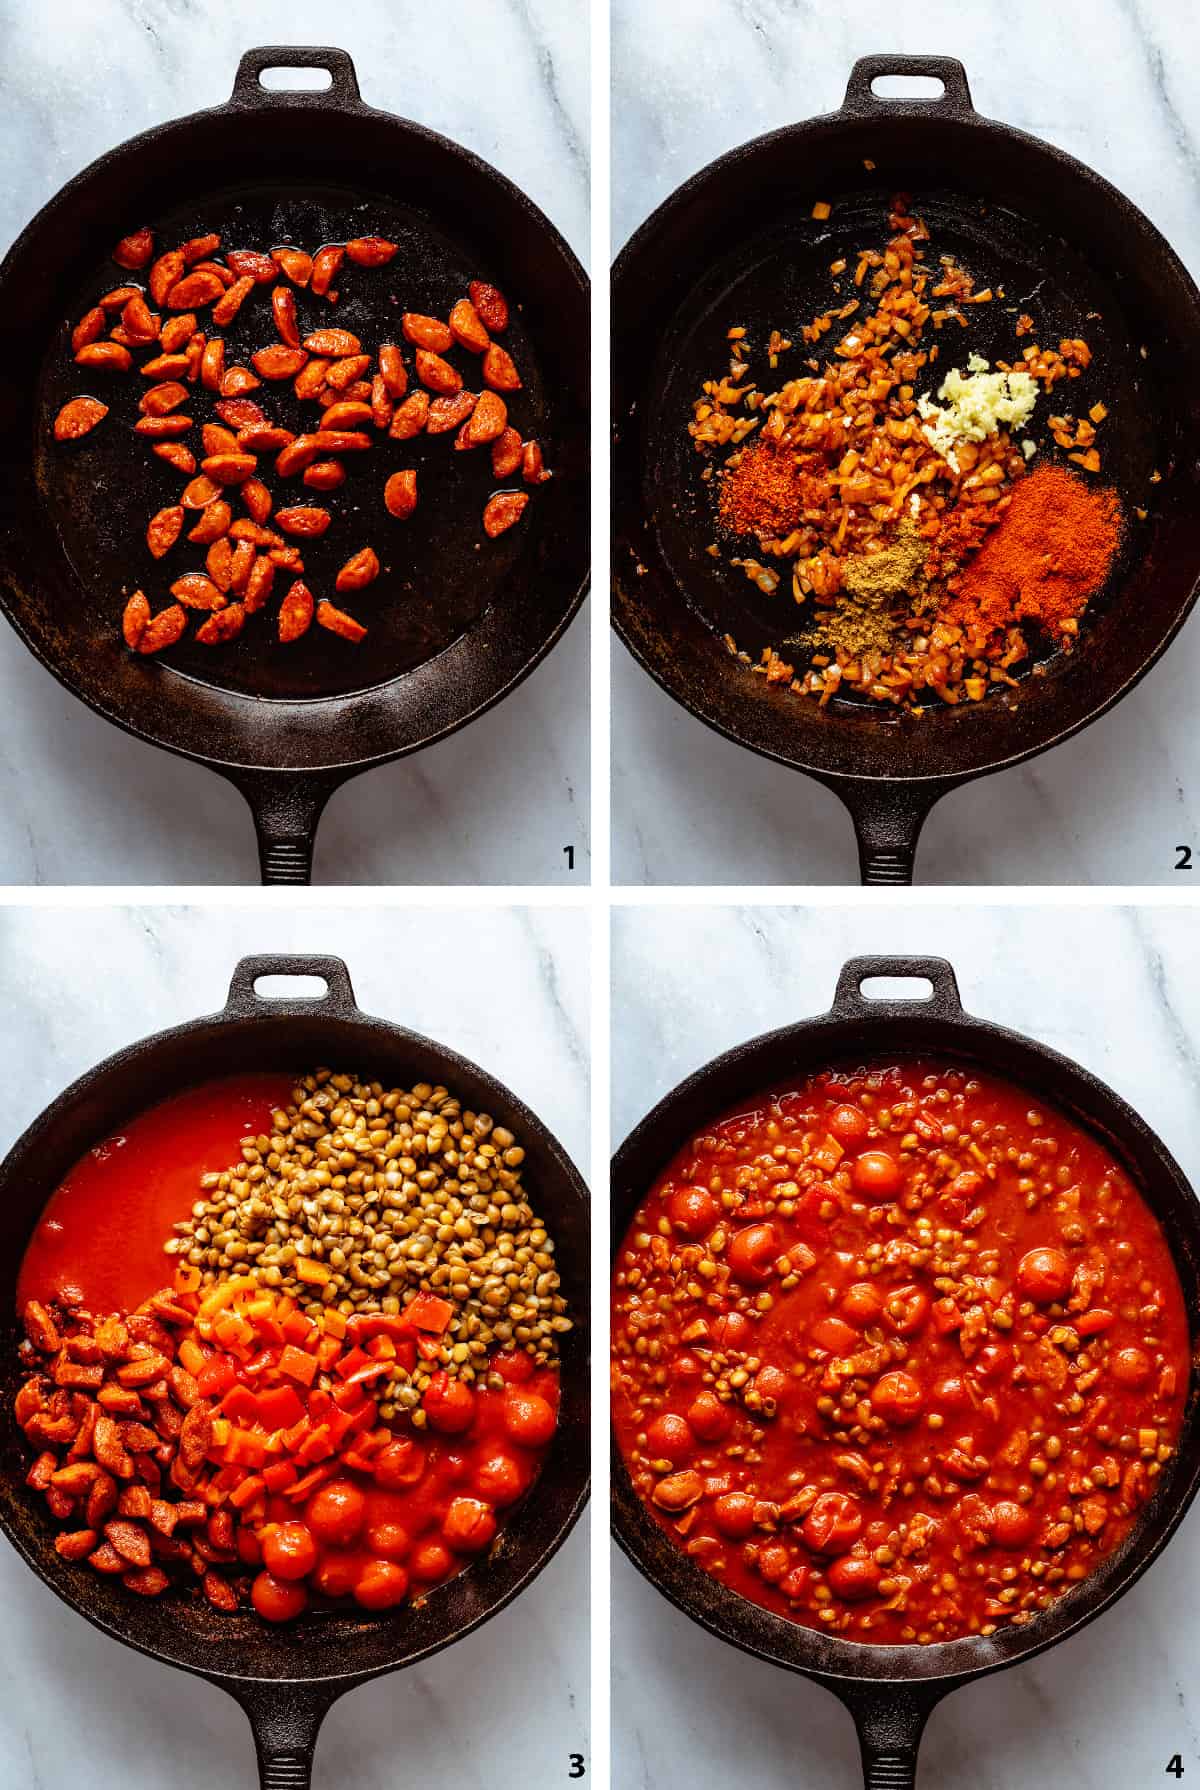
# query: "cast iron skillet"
{"type": "Point", "coordinates": [890, 1691]}
{"type": "Point", "coordinates": [287, 1678]}
{"type": "Point", "coordinates": [738, 244]}
{"type": "Point", "coordinates": [462, 624]}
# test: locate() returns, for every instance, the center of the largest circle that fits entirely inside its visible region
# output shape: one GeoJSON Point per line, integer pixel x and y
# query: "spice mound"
{"type": "Point", "coordinates": [350, 1381]}
{"type": "Point", "coordinates": [899, 1353]}
{"type": "Point", "coordinates": [877, 485]}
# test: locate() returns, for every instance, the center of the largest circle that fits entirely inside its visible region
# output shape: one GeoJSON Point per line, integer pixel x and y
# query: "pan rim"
{"type": "Point", "coordinates": [718, 1609]}
{"type": "Point", "coordinates": [624, 266]}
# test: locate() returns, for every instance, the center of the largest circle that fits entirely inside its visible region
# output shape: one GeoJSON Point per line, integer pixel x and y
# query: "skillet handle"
{"type": "Point", "coordinates": [955, 97]}
{"type": "Point", "coordinates": [287, 808]}
{"type": "Point", "coordinates": [285, 1719]}
{"type": "Point", "coordinates": [890, 1719]}
{"type": "Point", "coordinates": [887, 825]}
{"type": "Point", "coordinates": [849, 1001]}
{"type": "Point", "coordinates": [245, 1002]}
{"type": "Point", "coordinates": [248, 89]}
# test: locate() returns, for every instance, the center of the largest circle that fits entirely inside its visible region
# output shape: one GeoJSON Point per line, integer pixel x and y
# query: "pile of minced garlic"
{"type": "Point", "coordinates": [976, 404]}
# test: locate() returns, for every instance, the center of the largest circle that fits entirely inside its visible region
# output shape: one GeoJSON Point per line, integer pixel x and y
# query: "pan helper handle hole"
{"type": "Point", "coordinates": [288, 80]}
{"type": "Point", "coordinates": [908, 87]}
{"type": "Point", "coordinates": [896, 988]}
{"type": "Point", "coordinates": [290, 988]}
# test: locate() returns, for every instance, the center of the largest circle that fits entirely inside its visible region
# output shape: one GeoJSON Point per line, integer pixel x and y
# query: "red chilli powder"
{"type": "Point", "coordinates": [760, 495]}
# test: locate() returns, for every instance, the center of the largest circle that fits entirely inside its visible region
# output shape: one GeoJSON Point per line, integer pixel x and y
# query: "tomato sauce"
{"type": "Point", "coordinates": [898, 1353]}
{"type": "Point", "coordinates": [100, 1240]}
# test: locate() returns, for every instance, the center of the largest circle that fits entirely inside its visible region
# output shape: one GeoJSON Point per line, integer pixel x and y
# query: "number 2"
{"type": "Point", "coordinates": [1183, 862]}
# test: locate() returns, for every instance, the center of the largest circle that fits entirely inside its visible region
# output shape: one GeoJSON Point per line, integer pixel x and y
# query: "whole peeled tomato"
{"type": "Point", "coordinates": [876, 1176]}
{"type": "Point", "coordinates": [430, 1561]}
{"type": "Point", "coordinates": [468, 1525]}
{"type": "Point", "coordinates": [513, 1365]}
{"type": "Point", "coordinates": [708, 1417]}
{"type": "Point", "coordinates": [288, 1550]}
{"type": "Point", "coordinates": [499, 1479]}
{"type": "Point", "coordinates": [852, 1577]}
{"type": "Point", "coordinates": [669, 1437]}
{"type": "Point", "coordinates": [850, 1126]}
{"type": "Point", "coordinates": [448, 1404]}
{"type": "Point", "coordinates": [1130, 1367]}
{"type": "Point", "coordinates": [833, 1525]}
{"type": "Point", "coordinates": [1044, 1275]}
{"type": "Point", "coordinates": [733, 1513]}
{"type": "Point", "coordinates": [752, 1252]}
{"type": "Point", "coordinates": [336, 1512]}
{"type": "Point", "coordinates": [1012, 1525]}
{"type": "Point", "coordinates": [278, 1600]}
{"type": "Point", "coordinates": [693, 1210]}
{"type": "Point", "coordinates": [861, 1304]}
{"type": "Point", "coordinates": [528, 1417]}
{"type": "Point", "coordinates": [732, 1330]}
{"type": "Point", "coordinates": [381, 1586]}
{"type": "Point", "coordinates": [399, 1465]}
{"type": "Point", "coordinates": [388, 1540]}
{"type": "Point", "coordinates": [337, 1573]}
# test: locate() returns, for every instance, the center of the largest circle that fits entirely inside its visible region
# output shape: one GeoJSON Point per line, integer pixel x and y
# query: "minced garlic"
{"type": "Point", "coordinates": [976, 403]}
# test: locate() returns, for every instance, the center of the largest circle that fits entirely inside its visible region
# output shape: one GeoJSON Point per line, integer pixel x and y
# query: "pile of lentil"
{"type": "Point", "coordinates": [899, 1353]}
{"type": "Point", "coordinates": [362, 1197]}
{"type": "Point", "coordinates": [833, 468]}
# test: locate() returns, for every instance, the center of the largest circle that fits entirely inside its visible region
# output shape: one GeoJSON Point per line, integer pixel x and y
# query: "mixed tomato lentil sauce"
{"type": "Point", "coordinates": [898, 1352]}
{"type": "Point", "coordinates": [210, 1422]}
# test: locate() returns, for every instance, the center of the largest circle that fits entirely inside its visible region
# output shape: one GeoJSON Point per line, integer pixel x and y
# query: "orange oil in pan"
{"type": "Point", "coordinates": [100, 1239]}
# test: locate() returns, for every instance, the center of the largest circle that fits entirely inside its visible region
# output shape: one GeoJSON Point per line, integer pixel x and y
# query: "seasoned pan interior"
{"type": "Point", "coordinates": [440, 571]}
{"type": "Point", "coordinates": [182, 1627]}
{"type": "Point", "coordinates": [457, 620]}
{"type": "Point", "coordinates": [739, 246]}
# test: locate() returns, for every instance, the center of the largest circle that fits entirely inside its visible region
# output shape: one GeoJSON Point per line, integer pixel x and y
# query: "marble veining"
{"type": "Point", "coordinates": [1110, 82]}
{"type": "Point", "coordinates": [508, 1703]}
{"type": "Point", "coordinates": [1117, 990]}
{"type": "Point", "coordinates": [495, 803]}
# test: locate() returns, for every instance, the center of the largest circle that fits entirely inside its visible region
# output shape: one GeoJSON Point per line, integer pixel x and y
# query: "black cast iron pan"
{"type": "Point", "coordinates": [737, 244]}
{"type": "Point", "coordinates": [287, 1678]}
{"type": "Point", "coordinates": [890, 1691]}
{"type": "Point", "coordinates": [460, 620]}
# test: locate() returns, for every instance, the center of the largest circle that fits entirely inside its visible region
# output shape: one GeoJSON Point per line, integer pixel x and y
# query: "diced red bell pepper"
{"type": "Point", "coordinates": [299, 1329]}
{"type": "Point", "coordinates": [310, 1481]}
{"type": "Point", "coordinates": [292, 1438]}
{"type": "Point", "coordinates": [946, 1316]}
{"type": "Point", "coordinates": [216, 1377]}
{"type": "Point", "coordinates": [318, 1446]}
{"type": "Point", "coordinates": [319, 1402]}
{"type": "Point", "coordinates": [279, 1475]}
{"type": "Point", "coordinates": [279, 1407]}
{"type": "Point", "coordinates": [358, 1463]}
{"type": "Point", "coordinates": [350, 1360]}
{"type": "Point", "coordinates": [328, 1350]}
{"type": "Point", "coordinates": [374, 1370]}
{"type": "Point", "coordinates": [298, 1364]}
{"type": "Point", "coordinates": [240, 1405]}
{"type": "Point", "coordinates": [246, 1448]}
{"type": "Point", "coordinates": [428, 1312]}
{"type": "Point", "coordinates": [381, 1348]}
{"type": "Point", "coordinates": [349, 1396]}
{"type": "Point", "coordinates": [244, 1494]}
{"type": "Point", "coordinates": [427, 1348]}
{"type": "Point", "coordinates": [270, 1331]}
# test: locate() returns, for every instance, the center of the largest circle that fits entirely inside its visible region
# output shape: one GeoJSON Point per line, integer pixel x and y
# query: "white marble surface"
{"type": "Point", "coordinates": [1117, 990]}
{"type": "Point", "coordinates": [508, 1704]}
{"type": "Point", "coordinates": [497, 802]}
{"type": "Point", "coordinates": [1109, 80]}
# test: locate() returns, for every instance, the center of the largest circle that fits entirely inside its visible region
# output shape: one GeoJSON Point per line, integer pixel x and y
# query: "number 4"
{"type": "Point", "coordinates": [1175, 1765]}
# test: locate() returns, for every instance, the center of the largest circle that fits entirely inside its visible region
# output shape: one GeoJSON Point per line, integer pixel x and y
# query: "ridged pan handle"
{"type": "Point", "coordinates": [337, 1002]}
{"type": "Point", "coordinates": [285, 1719]}
{"type": "Point", "coordinates": [342, 91]}
{"type": "Point", "coordinates": [890, 1719]}
{"type": "Point", "coordinates": [955, 97]}
{"type": "Point", "coordinates": [287, 808]}
{"type": "Point", "coordinates": [849, 1001]}
{"type": "Point", "coordinates": [888, 818]}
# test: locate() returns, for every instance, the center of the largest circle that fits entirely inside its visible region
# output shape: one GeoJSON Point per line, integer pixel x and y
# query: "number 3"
{"type": "Point", "coordinates": [579, 1769]}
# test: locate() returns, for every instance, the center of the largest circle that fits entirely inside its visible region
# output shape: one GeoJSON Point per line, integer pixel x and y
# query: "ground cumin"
{"type": "Point", "coordinates": [1049, 553]}
{"type": "Point", "coordinates": [878, 591]}
{"type": "Point", "coordinates": [760, 493]}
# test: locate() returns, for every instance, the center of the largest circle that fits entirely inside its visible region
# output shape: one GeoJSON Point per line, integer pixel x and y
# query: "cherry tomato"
{"type": "Point", "coordinates": [514, 1365]}
{"type": "Point", "coordinates": [906, 1310]}
{"type": "Point", "coordinates": [468, 1525]}
{"type": "Point", "coordinates": [752, 1252]}
{"type": "Point", "coordinates": [399, 1465]}
{"type": "Point", "coordinates": [670, 1437]}
{"type": "Point", "coordinates": [388, 1540]}
{"type": "Point", "coordinates": [337, 1574]}
{"type": "Point", "coordinates": [430, 1561]}
{"type": "Point", "coordinates": [897, 1397]}
{"type": "Point", "coordinates": [833, 1524]}
{"type": "Point", "coordinates": [876, 1176]}
{"type": "Point", "coordinates": [382, 1586]}
{"type": "Point", "coordinates": [276, 1600]}
{"type": "Point", "coordinates": [731, 1330]}
{"type": "Point", "coordinates": [686, 1367]}
{"type": "Point", "coordinates": [773, 1561]}
{"type": "Point", "coordinates": [288, 1550]}
{"type": "Point", "coordinates": [850, 1126]}
{"type": "Point", "coordinates": [861, 1304]}
{"type": "Point", "coordinates": [335, 1513]}
{"type": "Point", "coordinates": [733, 1513]}
{"type": "Point", "coordinates": [448, 1404]}
{"type": "Point", "coordinates": [1012, 1525]}
{"type": "Point", "coordinates": [950, 1393]}
{"type": "Point", "coordinates": [499, 1479]}
{"type": "Point", "coordinates": [693, 1210]}
{"type": "Point", "coordinates": [1131, 1367]}
{"type": "Point", "coordinates": [993, 1361]}
{"type": "Point", "coordinates": [529, 1418]}
{"type": "Point", "coordinates": [1044, 1275]}
{"type": "Point", "coordinates": [709, 1418]}
{"type": "Point", "coordinates": [853, 1577]}
{"type": "Point", "coordinates": [249, 1548]}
